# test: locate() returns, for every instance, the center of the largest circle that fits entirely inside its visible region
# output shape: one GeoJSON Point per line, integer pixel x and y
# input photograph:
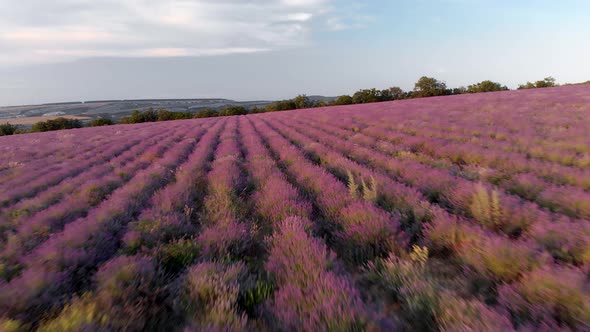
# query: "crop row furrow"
{"type": "Point", "coordinates": [480, 240]}
{"type": "Point", "coordinates": [361, 230]}
{"type": "Point", "coordinates": [70, 151]}
{"type": "Point", "coordinates": [36, 184]}
{"type": "Point", "coordinates": [308, 291]}
{"type": "Point", "coordinates": [60, 266]}
{"type": "Point", "coordinates": [573, 202]}
{"type": "Point", "coordinates": [32, 232]}
{"type": "Point", "coordinates": [500, 213]}
{"type": "Point", "coordinates": [156, 248]}
{"type": "Point", "coordinates": [474, 152]}
{"type": "Point", "coordinates": [497, 261]}
{"type": "Point", "coordinates": [13, 214]}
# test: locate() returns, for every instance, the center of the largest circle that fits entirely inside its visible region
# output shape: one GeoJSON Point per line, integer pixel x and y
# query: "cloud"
{"type": "Point", "coordinates": [41, 31]}
{"type": "Point", "coordinates": [348, 17]}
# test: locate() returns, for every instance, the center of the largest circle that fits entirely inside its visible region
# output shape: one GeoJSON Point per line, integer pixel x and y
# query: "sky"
{"type": "Point", "coordinates": [77, 50]}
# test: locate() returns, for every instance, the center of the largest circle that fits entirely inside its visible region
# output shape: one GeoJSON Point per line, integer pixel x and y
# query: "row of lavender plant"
{"type": "Point", "coordinates": [141, 289]}
{"type": "Point", "coordinates": [24, 173]}
{"type": "Point", "coordinates": [493, 209]}
{"type": "Point", "coordinates": [212, 290]}
{"type": "Point", "coordinates": [308, 293]}
{"type": "Point", "coordinates": [339, 164]}
{"type": "Point", "coordinates": [550, 188]}
{"type": "Point", "coordinates": [25, 208]}
{"type": "Point", "coordinates": [397, 198]}
{"type": "Point", "coordinates": [500, 261]}
{"type": "Point", "coordinates": [57, 144]}
{"type": "Point", "coordinates": [567, 200]}
{"type": "Point", "coordinates": [551, 122]}
{"type": "Point", "coordinates": [500, 164]}
{"type": "Point", "coordinates": [33, 231]}
{"type": "Point", "coordinates": [538, 143]}
{"type": "Point", "coordinates": [431, 314]}
{"type": "Point", "coordinates": [360, 230]}
{"type": "Point", "coordinates": [486, 153]}
{"type": "Point", "coordinates": [497, 142]}
{"type": "Point", "coordinates": [27, 147]}
{"type": "Point", "coordinates": [174, 211]}
{"type": "Point", "coordinates": [54, 147]}
{"type": "Point", "coordinates": [35, 182]}
{"type": "Point", "coordinates": [567, 240]}
{"type": "Point", "coordinates": [59, 267]}
{"type": "Point", "coordinates": [76, 146]}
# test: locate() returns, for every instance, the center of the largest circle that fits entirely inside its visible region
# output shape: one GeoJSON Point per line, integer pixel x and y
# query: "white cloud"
{"type": "Point", "coordinates": [41, 31]}
{"type": "Point", "coordinates": [348, 17]}
{"type": "Point", "coordinates": [299, 17]}
{"type": "Point", "coordinates": [303, 3]}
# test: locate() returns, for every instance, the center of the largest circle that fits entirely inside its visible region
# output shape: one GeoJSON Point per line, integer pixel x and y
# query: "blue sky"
{"type": "Point", "coordinates": [65, 50]}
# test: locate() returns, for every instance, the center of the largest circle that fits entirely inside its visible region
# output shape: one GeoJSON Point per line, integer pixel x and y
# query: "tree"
{"type": "Point", "coordinates": [396, 93]}
{"type": "Point", "coordinates": [429, 87]}
{"type": "Point", "coordinates": [206, 113]}
{"type": "Point", "coordinates": [8, 129]}
{"type": "Point", "coordinates": [527, 85]}
{"type": "Point", "coordinates": [56, 124]}
{"type": "Point", "coordinates": [458, 91]}
{"type": "Point", "coordinates": [256, 109]}
{"type": "Point", "coordinates": [281, 105]}
{"type": "Point", "coordinates": [486, 86]}
{"type": "Point", "coordinates": [100, 122]}
{"type": "Point", "coordinates": [302, 101]}
{"type": "Point", "coordinates": [385, 95]}
{"type": "Point", "coordinates": [234, 110]}
{"type": "Point", "coordinates": [366, 96]}
{"type": "Point", "coordinates": [547, 82]}
{"type": "Point", "coordinates": [343, 100]}
{"type": "Point", "coordinates": [140, 117]}
{"type": "Point", "coordinates": [165, 115]}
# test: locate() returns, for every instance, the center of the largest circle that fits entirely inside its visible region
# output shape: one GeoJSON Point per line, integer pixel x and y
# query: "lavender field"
{"type": "Point", "coordinates": [457, 213]}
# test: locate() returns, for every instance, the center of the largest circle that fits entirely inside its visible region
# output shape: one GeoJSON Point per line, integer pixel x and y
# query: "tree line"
{"type": "Point", "coordinates": [424, 87]}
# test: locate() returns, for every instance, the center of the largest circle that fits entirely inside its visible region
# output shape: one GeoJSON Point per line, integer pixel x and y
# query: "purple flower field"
{"type": "Point", "coordinates": [456, 213]}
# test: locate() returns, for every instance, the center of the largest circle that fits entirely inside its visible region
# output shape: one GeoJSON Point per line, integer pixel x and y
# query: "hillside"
{"type": "Point", "coordinates": [467, 212]}
{"type": "Point", "coordinates": [114, 109]}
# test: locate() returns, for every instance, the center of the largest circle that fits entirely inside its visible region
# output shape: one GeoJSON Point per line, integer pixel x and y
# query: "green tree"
{"type": "Point", "coordinates": [207, 113]}
{"type": "Point", "coordinates": [140, 117]}
{"type": "Point", "coordinates": [8, 129]}
{"type": "Point", "coordinates": [101, 122]}
{"type": "Point", "coordinates": [459, 91]}
{"type": "Point", "coordinates": [396, 93]}
{"type": "Point", "coordinates": [302, 101]}
{"type": "Point", "coordinates": [343, 100]}
{"type": "Point", "coordinates": [281, 105]}
{"type": "Point", "coordinates": [366, 96]}
{"type": "Point", "coordinates": [165, 115]}
{"type": "Point", "coordinates": [547, 82]}
{"type": "Point", "coordinates": [385, 95]}
{"type": "Point", "coordinates": [429, 87]}
{"type": "Point", "coordinates": [486, 86]}
{"type": "Point", "coordinates": [56, 124]}
{"type": "Point", "coordinates": [234, 110]}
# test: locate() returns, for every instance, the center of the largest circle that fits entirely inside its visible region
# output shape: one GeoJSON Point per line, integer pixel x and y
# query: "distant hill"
{"type": "Point", "coordinates": [321, 98]}
{"type": "Point", "coordinates": [119, 108]}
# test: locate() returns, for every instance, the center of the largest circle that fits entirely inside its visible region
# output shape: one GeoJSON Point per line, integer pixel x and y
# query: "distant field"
{"type": "Point", "coordinates": [118, 108]}
{"type": "Point", "coordinates": [458, 213]}
{"type": "Point", "coordinates": [35, 119]}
